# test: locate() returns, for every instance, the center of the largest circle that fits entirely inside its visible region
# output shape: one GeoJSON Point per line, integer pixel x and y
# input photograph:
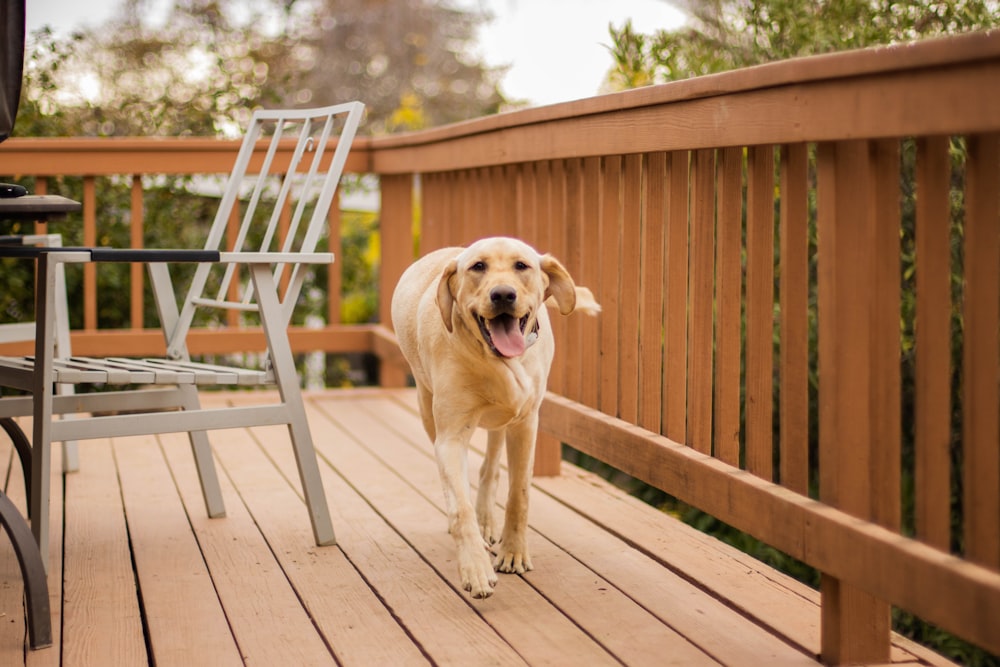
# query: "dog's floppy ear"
{"type": "Point", "coordinates": [445, 295]}
{"type": "Point", "coordinates": [561, 286]}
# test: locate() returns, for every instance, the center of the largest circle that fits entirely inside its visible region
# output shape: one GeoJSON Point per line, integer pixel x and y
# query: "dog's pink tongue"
{"type": "Point", "coordinates": [507, 336]}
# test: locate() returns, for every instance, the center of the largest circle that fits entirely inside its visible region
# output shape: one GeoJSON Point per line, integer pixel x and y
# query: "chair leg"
{"type": "Point", "coordinates": [23, 449]}
{"type": "Point", "coordinates": [202, 450]}
{"type": "Point", "coordinates": [283, 365]}
{"type": "Point", "coordinates": [42, 391]}
{"type": "Point", "coordinates": [71, 454]}
{"type": "Point", "coordinates": [36, 585]}
{"type": "Point", "coordinates": [312, 483]}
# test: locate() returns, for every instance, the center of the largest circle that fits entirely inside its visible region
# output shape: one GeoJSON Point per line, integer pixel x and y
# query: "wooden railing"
{"type": "Point", "coordinates": [785, 255]}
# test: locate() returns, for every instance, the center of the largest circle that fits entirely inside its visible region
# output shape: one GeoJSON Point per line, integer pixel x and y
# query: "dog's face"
{"type": "Point", "coordinates": [495, 288]}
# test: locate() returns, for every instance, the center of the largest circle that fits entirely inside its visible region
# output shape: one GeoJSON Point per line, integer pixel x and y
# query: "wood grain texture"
{"type": "Point", "coordinates": [700, 301]}
{"type": "Point", "coordinates": [675, 313]}
{"type": "Point", "coordinates": [794, 319]}
{"type": "Point", "coordinates": [932, 459]}
{"type": "Point", "coordinates": [651, 302]}
{"type": "Point", "coordinates": [728, 305]}
{"type": "Point", "coordinates": [956, 592]}
{"type": "Point", "coordinates": [629, 285]}
{"type": "Point", "coordinates": [981, 351]}
{"type": "Point", "coordinates": [855, 624]}
{"type": "Point", "coordinates": [759, 355]}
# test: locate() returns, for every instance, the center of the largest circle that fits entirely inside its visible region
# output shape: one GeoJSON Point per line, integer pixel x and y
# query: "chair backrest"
{"type": "Point", "coordinates": [277, 200]}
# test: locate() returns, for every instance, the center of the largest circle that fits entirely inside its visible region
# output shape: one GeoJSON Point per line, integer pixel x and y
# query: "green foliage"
{"type": "Point", "coordinates": [360, 256]}
{"type": "Point", "coordinates": [728, 34]}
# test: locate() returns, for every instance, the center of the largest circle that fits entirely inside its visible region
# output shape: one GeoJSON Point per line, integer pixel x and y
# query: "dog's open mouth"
{"type": "Point", "coordinates": [504, 334]}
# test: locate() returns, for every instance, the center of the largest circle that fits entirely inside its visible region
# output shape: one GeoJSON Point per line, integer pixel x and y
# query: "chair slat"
{"type": "Point", "coordinates": [160, 374]}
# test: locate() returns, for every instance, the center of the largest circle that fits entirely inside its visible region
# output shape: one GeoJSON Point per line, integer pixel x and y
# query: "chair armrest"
{"type": "Point", "coordinates": [34, 252]}
{"type": "Point", "coordinates": [276, 257]}
{"type": "Point", "coordinates": [155, 255]}
{"type": "Point", "coordinates": [152, 255]}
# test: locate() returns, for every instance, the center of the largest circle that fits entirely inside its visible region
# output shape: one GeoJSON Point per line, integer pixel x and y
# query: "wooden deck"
{"type": "Point", "coordinates": [139, 575]}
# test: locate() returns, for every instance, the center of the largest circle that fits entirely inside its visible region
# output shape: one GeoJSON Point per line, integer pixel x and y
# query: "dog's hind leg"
{"type": "Point", "coordinates": [489, 475]}
{"type": "Point", "coordinates": [426, 401]}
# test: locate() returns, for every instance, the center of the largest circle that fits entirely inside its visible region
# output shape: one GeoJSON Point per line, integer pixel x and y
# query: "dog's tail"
{"type": "Point", "coordinates": [585, 302]}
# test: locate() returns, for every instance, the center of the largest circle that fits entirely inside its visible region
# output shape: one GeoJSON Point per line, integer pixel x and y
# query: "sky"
{"type": "Point", "coordinates": [556, 49]}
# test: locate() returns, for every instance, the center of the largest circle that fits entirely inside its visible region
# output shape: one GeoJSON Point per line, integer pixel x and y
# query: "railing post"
{"type": "Point", "coordinates": [90, 240]}
{"type": "Point", "coordinates": [855, 625]}
{"type": "Point", "coordinates": [396, 223]}
{"type": "Point", "coordinates": [136, 239]}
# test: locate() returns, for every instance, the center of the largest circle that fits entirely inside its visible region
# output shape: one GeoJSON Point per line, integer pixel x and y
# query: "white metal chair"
{"type": "Point", "coordinates": [304, 187]}
{"type": "Point", "coordinates": [24, 331]}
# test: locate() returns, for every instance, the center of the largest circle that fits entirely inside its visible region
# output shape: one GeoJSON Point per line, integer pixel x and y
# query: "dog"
{"type": "Point", "coordinates": [473, 325]}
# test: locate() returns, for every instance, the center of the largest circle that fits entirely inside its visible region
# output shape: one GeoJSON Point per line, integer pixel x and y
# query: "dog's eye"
{"type": "Point", "coordinates": [520, 266]}
{"type": "Point", "coordinates": [478, 267]}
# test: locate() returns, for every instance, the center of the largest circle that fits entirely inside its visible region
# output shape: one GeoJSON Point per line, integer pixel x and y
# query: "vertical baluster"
{"type": "Point", "coordinates": [728, 295]}
{"type": "Point", "coordinates": [527, 201]}
{"type": "Point", "coordinates": [675, 311]}
{"type": "Point", "coordinates": [335, 272]}
{"type": "Point", "coordinates": [89, 239]}
{"type": "Point", "coordinates": [540, 232]}
{"type": "Point", "coordinates": [700, 298]}
{"type": "Point", "coordinates": [794, 342]}
{"type": "Point", "coordinates": [555, 243]}
{"type": "Point", "coordinates": [651, 290]}
{"type": "Point", "coordinates": [590, 240]}
{"type": "Point", "coordinates": [981, 353]}
{"type": "Point", "coordinates": [760, 313]}
{"type": "Point", "coordinates": [396, 224]}
{"type": "Point", "coordinates": [932, 461]}
{"type": "Point", "coordinates": [569, 347]}
{"type": "Point", "coordinates": [233, 289]}
{"type": "Point", "coordinates": [136, 240]}
{"type": "Point", "coordinates": [609, 290]}
{"type": "Point", "coordinates": [628, 307]}
{"type": "Point", "coordinates": [886, 431]}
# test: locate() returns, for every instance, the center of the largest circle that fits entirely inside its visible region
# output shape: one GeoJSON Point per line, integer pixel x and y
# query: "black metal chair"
{"type": "Point", "coordinates": [36, 589]}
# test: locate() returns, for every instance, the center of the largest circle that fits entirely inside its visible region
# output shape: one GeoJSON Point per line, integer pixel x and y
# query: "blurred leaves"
{"type": "Point", "coordinates": [212, 62]}
{"type": "Point", "coordinates": [728, 34]}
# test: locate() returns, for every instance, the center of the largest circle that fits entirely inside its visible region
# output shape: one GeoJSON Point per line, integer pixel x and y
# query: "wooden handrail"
{"type": "Point", "coordinates": [743, 233]}
{"type": "Point", "coordinates": [91, 156]}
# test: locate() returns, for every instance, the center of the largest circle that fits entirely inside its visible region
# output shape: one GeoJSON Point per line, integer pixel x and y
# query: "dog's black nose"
{"type": "Point", "coordinates": [503, 295]}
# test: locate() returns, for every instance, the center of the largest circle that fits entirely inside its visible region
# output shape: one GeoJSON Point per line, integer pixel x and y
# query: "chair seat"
{"type": "Point", "coordinates": [122, 371]}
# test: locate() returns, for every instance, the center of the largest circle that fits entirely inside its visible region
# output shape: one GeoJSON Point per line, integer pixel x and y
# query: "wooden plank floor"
{"type": "Point", "coordinates": [140, 576]}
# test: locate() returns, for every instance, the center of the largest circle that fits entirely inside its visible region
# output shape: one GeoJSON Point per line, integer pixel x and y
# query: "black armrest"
{"type": "Point", "coordinates": [152, 255]}
{"type": "Point", "coordinates": [116, 254]}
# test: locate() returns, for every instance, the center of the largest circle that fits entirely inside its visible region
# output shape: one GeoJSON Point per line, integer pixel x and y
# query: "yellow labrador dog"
{"type": "Point", "coordinates": [473, 325]}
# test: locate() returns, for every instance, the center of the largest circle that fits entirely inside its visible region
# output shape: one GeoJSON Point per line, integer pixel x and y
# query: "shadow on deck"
{"type": "Point", "coordinates": [139, 575]}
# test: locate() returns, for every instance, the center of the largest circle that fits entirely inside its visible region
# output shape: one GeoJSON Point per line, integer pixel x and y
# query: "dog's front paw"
{"type": "Point", "coordinates": [488, 527]}
{"type": "Point", "coordinates": [476, 571]}
{"type": "Point", "coordinates": [514, 559]}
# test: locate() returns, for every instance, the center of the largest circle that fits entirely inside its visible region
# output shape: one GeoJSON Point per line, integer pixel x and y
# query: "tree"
{"type": "Point", "coordinates": [729, 34]}
{"type": "Point", "coordinates": [213, 61]}
{"type": "Point", "coordinates": [397, 55]}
